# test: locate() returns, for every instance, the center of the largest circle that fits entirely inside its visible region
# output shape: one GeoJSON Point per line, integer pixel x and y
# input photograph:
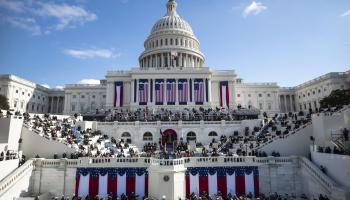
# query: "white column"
{"type": "Point", "coordinates": [161, 60]}
{"type": "Point", "coordinates": [169, 63]}
{"type": "Point", "coordinates": [156, 60]}
{"type": "Point", "coordinates": [132, 91]}
{"type": "Point", "coordinates": [180, 60]}
{"type": "Point", "coordinates": [209, 91]}
{"type": "Point", "coordinates": [291, 103]}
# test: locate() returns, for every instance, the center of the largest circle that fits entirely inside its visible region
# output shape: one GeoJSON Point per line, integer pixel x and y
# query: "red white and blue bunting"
{"type": "Point", "coordinates": [114, 181]}
{"type": "Point", "coordinates": [228, 180]}
{"type": "Point", "coordinates": [224, 94]}
{"type": "Point", "coordinates": [118, 94]}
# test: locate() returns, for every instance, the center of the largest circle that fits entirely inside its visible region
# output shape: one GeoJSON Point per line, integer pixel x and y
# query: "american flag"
{"type": "Point", "coordinates": [143, 91]}
{"type": "Point", "coordinates": [159, 87]}
{"type": "Point", "coordinates": [199, 91]}
{"type": "Point", "coordinates": [171, 91]}
{"type": "Point", "coordinates": [183, 88]}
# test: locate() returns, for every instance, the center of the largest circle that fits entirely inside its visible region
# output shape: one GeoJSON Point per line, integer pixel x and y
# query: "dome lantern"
{"type": "Point", "coordinates": [171, 8]}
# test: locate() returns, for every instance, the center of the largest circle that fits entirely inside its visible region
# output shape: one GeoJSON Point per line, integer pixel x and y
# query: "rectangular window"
{"type": "Point", "coordinates": [73, 108]}
{"type": "Point", "coordinates": [260, 106]}
{"type": "Point", "coordinates": [238, 95]}
{"type": "Point", "coordinates": [269, 106]}
{"type": "Point", "coordinates": [74, 96]}
{"type": "Point", "coordinates": [15, 104]}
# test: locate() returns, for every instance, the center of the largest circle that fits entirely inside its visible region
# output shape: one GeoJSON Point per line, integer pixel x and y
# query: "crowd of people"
{"type": "Point", "coordinates": [88, 143]}
{"type": "Point", "coordinates": [203, 196]}
{"type": "Point", "coordinates": [218, 114]}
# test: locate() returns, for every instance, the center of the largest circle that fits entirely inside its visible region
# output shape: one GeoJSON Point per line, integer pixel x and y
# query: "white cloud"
{"type": "Point", "coordinates": [89, 81]}
{"type": "Point", "coordinates": [45, 16]}
{"type": "Point", "coordinates": [346, 13]}
{"type": "Point", "coordinates": [254, 8]}
{"type": "Point", "coordinates": [59, 87]}
{"type": "Point", "coordinates": [66, 15]}
{"type": "Point", "coordinates": [15, 6]}
{"type": "Point", "coordinates": [45, 85]}
{"type": "Point", "coordinates": [90, 53]}
{"type": "Point", "coordinates": [28, 24]}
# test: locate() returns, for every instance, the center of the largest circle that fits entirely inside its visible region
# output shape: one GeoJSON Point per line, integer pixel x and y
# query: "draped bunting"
{"type": "Point", "coordinates": [228, 180]}
{"type": "Point", "coordinates": [118, 94]}
{"type": "Point", "coordinates": [159, 91]}
{"type": "Point", "coordinates": [143, 91]}
{"type": "Point", "coordinates": [198, 91]}
{"type": "Point", "coordinates": [171, 91]}
{"type": "Point", "coordinates": [224, 94]}
{"type": "Point", "coordinates": [115, 181]}
{"type": "Point", "coordinates": [183, 90]}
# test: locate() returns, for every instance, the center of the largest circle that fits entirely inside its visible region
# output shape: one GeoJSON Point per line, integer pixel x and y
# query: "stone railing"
{"type": "Point", "coordinates": [315, 172]}
{"type": "Point", "coordinates": [168, 123]}
{"type": "Point", "coordinates": [15, 176]}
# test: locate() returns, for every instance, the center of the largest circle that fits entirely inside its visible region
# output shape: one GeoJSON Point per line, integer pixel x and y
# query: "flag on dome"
{"type": "Point", "coordinates": [173, 54]}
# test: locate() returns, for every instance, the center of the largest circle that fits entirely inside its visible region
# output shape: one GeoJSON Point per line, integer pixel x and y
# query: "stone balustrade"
{"type": "Point", "coordinates": [15, 176]}
{"type": "Point", "coordinates": [328, 183]}
{"type": "Point", "coordinates": [169, 123]}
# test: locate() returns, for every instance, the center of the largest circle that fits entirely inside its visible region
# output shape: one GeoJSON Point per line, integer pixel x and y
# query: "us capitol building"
{"type": "Point", "coordinates": [171, 74]}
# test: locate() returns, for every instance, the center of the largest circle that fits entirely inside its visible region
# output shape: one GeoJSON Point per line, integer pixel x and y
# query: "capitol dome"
{"type": "Point", "coordinates": [171, 43]}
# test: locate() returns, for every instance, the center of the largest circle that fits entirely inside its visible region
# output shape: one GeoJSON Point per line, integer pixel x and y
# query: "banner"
{"type": "Point", "coordinates": [118, 94]}
{"type": "Point", "coordinates": [228, 180]}
{"type": "Point", "coordinates": [224, 94]}
{"type": "Point", "coordinates": [198, 91]}
{"type": "Point", "coordinates": [115, 181]}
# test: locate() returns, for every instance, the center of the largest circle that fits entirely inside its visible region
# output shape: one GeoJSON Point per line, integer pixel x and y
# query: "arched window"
{"type": "Point", "coordinates": [126, 134]}
{"type": "Point", "coordinates": [147, 136]}
{"type": "Point", "coordinates": [126, 137]}
{"type": "Point", "coordinates": [212, 134]}
{"type": "Point", "coordinates": [171, 41]}
{"type": "Point", "coordinates": [191, 136]}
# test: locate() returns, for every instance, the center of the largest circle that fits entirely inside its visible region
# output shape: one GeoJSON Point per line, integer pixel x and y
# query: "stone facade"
{"type": "Point", "coordinates": [282, 175]}
{"type": "Point", "coordinates": [171, 53]}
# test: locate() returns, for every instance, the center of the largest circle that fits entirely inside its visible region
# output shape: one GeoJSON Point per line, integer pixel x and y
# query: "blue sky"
{"type": "Point", "coordinates": [283, 41]}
